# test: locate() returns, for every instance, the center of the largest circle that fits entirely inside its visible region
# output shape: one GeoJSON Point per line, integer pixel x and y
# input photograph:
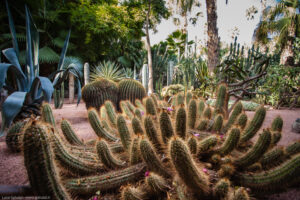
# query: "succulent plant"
{"type": "Point", "coordinates": [161, 155]}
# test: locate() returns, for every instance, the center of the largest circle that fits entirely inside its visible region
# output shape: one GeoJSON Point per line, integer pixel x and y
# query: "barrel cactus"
{"type": "Point", "coordinates": [131, 89]}
{"type": "Point", "coordinates": [97, 92]}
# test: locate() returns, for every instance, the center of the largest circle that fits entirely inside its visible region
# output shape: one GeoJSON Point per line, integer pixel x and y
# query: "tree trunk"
{"type": "Point", "coordinates": [185, 31]}
{"type": "Point", "coordinates": [71, 88]}
{"type": "Point", "coordinates": [86, 73]}
{"type": "Point", "coordinates": [150, 83]}
{"type": "Point", "coordinates": [212, 32]}
{"type": "Point", "coordinates": [287, 54]}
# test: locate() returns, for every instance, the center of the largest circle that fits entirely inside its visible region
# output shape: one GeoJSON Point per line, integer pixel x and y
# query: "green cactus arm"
{"type": "Point", "coordinates": [207, 144]}
{"type": "Point", "coordinates": [98, 128]}
{"type": "Point", "coordinates": [192, 113]}
{"type": "Point", "coordinates": [188, 98]}
{"type": "Point", "coordinates": [255, 153]}
{"type": "Point", "coordinates": [69, 133]}
{"type": "Point", "coordinates": [135, 154]}
{"type": "Point", "coordinates": [241, 121]}
{"type": "Point", "coordinates": [140, 105]}
{"type": "Point", "coordinates": [218, 123]}
{"type": "Point", "coordinates": [231, 141]}
{"type": "Point", "coordinates": [276, 178]}
{"type": "Point", "coordinates": [272, 157]}
{"type": "Point", "coordinates": [123, 132]}
{"type": "Point", "coordinates": [277, 124]}
{"type": "Point", "coordinates": [14, 135]}
{"type": "Point", "coordinates": [292, 149]}
{"type": "Point", "coordinates": [126, 110]}
{"type": "Point", "coordinates": [111, 112]}
{"type": "Point", "coordinates": [106, 156]}
{"type": "Point", "coordinates": [47, 114]}
{"type": "Point", "coordinates": [152, 133]}
{"type": "Point", "coordinates": [220, 106]}
{"type": "Point", "coordinates": [136, 126]}
{"type": "Point", "coordinates": [131, 193]}
{"type": "Point", "coordinates": [238, 108]}
{"type": "Point", "coordinates": [156, 184]}
{"type": "Point", "coordinates": [150, 107]}
{"type": "Point", "coordinates": [221, 188]}
{"type": "Point", "coordinates": [180, 124]}
{"type": "Point", "coordinates": [138, 113]}
{"type": "Point", "coordinates": [207, 113]}
{"type": "Point", "coordinates": [40, 164]}
{"type": "Point", "coordinates": [151, 158]}
{"type": "Point", "coordinates": [186, 168]}
{"type": "Point", "coordinates": [165, 127]}
{"type": "Point", "coordinates": [201, 108]}
{"type": "Point", "coordinates": [192, 144]}
{"type": "Point", "coordinates": [254, 125]}
{"type": "Point", "coordinates": [111, 180]}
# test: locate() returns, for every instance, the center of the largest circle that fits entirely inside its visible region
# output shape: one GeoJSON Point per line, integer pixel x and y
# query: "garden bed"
{"type": "Point", "coordinates": [12, 170]}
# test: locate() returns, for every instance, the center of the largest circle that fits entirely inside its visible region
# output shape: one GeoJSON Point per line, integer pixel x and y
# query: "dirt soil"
{"type": "Point", "coordinates": [12, 170]}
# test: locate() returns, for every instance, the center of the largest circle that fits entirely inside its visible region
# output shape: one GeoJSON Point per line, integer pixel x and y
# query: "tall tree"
{"type": "Point", "coordinates": [212, 32]}
{"type": "Point", "coordinates": [283, 21]}
{"type": "Point", "coordinates": [184, 8]}
{"type": "Point", "coordinates": [155, 10]}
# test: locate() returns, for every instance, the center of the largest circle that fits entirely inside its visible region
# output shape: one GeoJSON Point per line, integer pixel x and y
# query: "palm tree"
{"type": "Point", "coordinates": [212, 32]}
{"type": "Point", "coordinates": [283, 21]}
{"type": "Point", "coordinates": [183, 8]}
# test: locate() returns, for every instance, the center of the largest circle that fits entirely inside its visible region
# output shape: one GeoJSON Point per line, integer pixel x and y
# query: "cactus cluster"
{"type": "Point", "coordinates": [185, 152]}
{"type": "Point", "coordinates": [97, 92]}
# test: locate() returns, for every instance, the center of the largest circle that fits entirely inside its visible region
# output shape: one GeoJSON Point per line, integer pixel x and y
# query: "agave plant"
{"type": "Point", "coordinates": [107, 69]}
{"type": "Point", "coordinates": [70, 66]}
{"type": "Point", "coordinates": [30, 88]}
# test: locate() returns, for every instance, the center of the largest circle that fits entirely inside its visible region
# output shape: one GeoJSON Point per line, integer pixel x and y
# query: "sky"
{"type": "Point", "coordinates": [229, 16]}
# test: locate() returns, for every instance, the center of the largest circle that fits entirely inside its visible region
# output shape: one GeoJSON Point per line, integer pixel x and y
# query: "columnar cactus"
{"type": "Point", "coordinates": [171, 160]}
{"type": "Point", "coordinates": [47, 115]}
{"type": "Point", "coordinates": [14, 136]}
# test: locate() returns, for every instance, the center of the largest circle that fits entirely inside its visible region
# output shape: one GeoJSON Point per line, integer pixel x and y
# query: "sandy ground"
{"type": "Point", "coordinates": [12, 170]}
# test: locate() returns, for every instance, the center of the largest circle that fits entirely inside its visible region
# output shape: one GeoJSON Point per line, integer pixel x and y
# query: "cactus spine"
{"type": "Point", "coordinates": [123, 132]}
{"type": "Point", "coordinates": [181, 123]}
{"type": "Point", "coordinates": [186, 168]}
{"type": "Point", "coordinates": [207, 144]}
{"type": "Point", "coordinates": [106, 157]}
{"type": "Point", "coordinates": [97, 127]}
{"type": "Point", "coordinates": [126, 110]}
{"type": "Point", "coordinates": [192, 113]}
{"type": "Point", "coordinates": [69, 133]}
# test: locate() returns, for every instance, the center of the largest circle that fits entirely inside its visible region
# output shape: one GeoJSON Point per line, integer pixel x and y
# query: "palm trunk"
{"type": "Point", "coordinates": [287, 54]}
{"type": "Point", "coordinates": [71, 88]}
{"type": "Point", "coordinates": [150, 83]}
{"type": "Point", "coordinates": [185, 32]}
{"type": "Point", "coordinates": [212, 32]}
